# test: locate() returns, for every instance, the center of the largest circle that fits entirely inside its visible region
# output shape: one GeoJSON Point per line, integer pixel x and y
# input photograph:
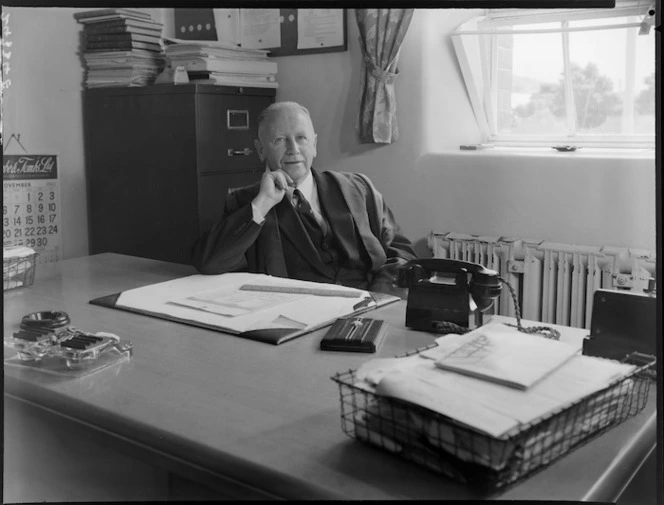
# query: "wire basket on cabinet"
{"type": "Point", "coordinates": [18, 267]}
{"type": "Point", "coordinates": [471, 457]}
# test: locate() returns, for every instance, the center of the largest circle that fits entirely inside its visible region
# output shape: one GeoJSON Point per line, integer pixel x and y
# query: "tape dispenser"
{"type": "Point", "coordinates": [47, 334]}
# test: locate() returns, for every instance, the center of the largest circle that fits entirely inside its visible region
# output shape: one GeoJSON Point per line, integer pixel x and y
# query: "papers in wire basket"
{"type": "Point", "coordinates": [485, 405]}
{"type": "Point", "coordinates": [500, 354]}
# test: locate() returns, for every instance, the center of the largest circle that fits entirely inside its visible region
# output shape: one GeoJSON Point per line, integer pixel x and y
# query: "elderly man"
{"type": "Point", "coordinates": [329, 227]}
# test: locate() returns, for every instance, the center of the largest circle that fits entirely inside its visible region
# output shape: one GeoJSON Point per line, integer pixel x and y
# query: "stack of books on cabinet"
{"type": "Point", "coordinates": [122, 47]}
{"type": "Point", "coordinates": [222, 63]}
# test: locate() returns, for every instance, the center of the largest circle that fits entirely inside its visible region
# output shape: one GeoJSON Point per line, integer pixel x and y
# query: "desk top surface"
{"type": "Point", "coordinates": [268, 416]}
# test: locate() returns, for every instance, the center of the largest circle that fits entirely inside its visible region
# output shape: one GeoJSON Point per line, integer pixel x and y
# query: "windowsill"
{"type": "Point", "coordinates": [581, 152]}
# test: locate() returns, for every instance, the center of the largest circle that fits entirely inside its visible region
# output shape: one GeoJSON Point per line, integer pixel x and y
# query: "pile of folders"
{"type": "Point", "coordinates": [121, 47]}
{"type": "Point", "coordinates": [221, 63]}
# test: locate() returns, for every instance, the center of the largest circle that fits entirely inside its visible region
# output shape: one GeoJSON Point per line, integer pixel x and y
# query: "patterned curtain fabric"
{"type": "Point", "coordinates": [381, 33]}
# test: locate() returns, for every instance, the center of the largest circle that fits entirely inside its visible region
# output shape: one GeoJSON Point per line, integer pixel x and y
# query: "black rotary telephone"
{"type": "Point", "coordinates": [443, 293]}
{"type": "Point", "coordinates": [447, 291]}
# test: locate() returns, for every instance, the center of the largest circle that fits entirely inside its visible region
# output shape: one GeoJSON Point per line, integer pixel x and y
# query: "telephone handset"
{"type": "Point", "coordinates": [443, 293]}
{"type": "Point", "coordinates": [447, 291]}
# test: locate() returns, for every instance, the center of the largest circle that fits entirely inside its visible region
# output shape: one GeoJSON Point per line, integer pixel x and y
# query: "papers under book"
{"type": "Point", "coordinates": [256, 306]}
{"type": "Point", "coordinates": [485, 405]}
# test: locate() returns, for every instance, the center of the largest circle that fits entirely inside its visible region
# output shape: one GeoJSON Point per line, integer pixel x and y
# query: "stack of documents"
{"type": "Point", "coordinates": [222, 63]}
{"type": "Point", "coordinates": [255, 306]}
{"type": "Point", "coordinates": [488, 412]}
{"type": "Point", "coordinates": [486, 404]}
{"type": "Point", "coordinates": [122, 47]}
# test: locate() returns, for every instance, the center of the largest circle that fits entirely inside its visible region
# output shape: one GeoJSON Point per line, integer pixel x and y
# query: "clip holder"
{"type": "Point", "coordinates": [79, 349]}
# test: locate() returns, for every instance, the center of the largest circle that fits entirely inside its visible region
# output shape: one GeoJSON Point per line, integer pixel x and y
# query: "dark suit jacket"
{"type": "Point", "coordinates": [237, 243]}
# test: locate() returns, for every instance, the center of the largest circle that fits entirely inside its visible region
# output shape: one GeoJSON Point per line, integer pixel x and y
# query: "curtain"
{"type": "Point", "coordinates": [381, 33]}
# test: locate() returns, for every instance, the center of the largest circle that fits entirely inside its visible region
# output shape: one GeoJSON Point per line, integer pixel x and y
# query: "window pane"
{"type": "Point", "coordinates": [532, 102]}
{"type": "Point", "coordinates": [613, 81]}
{"type": "Point", "coordinates": [600, 21]}
{"type": "Point", "coordinates": [644, 84]}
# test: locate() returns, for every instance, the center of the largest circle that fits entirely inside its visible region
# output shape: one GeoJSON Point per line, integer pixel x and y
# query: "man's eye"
{"type": "Point", "coordinates": [279, 140]}
{"type": "Point", "coordinates": [302, 139]}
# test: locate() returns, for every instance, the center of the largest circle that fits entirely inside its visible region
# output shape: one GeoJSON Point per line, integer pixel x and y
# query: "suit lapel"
{"type": "Point", "coordinates": [338, 215]}
{"type": "Point", "coordinates": [356, 202]}
{"type": "Point", "coordinates": [293, 230]}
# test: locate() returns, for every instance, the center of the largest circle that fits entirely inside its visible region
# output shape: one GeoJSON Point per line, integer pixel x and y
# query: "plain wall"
{"type": "Point", "coordinates": [583, 198]}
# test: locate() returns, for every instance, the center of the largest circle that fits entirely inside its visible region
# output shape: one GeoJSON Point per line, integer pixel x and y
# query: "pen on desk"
{"type": "Point", "coordinates": [366, 302]}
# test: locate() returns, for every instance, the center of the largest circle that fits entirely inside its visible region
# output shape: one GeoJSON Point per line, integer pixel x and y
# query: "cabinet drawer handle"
{"type": "Point", "coordinates": [244, 152]}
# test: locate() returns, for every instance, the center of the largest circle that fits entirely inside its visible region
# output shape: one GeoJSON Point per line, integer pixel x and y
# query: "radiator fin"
{"type": "Point", "coordinates": [554, 282]}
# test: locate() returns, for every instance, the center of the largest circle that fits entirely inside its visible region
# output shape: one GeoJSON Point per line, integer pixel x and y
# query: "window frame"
{"type": "Point", "coordinates": [507, 21]}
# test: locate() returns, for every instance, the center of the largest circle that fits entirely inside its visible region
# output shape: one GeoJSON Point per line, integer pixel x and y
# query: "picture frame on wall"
{"type": "Point", "coordinates": [284, 32]}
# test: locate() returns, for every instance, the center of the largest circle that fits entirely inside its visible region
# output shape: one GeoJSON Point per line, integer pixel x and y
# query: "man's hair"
{"type": "Point", "coordinates": [277, 106]}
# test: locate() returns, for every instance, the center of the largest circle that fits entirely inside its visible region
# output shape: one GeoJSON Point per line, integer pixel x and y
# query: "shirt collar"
{"type": "Point", "coordinates": [308, 187]}
{"type": "Point", "coordinates": [309, 191]}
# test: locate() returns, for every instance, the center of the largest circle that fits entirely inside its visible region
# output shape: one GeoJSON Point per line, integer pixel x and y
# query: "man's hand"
{"type": "Point", "coordinates": [272, 190]}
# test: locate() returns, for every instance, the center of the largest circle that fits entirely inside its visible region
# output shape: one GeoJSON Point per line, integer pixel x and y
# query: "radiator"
{"type": "Point", "coordinates": [554, 282]}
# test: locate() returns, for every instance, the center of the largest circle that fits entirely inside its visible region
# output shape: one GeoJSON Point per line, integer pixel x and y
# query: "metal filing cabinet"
{"type": "Point", "coordinates": [161, 159]}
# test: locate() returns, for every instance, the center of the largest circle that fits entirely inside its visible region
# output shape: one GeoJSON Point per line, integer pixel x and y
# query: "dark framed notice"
{"type": "Point", "coordinates": [309, 31]}
{"type": "Point", "coordinates": [283, 32]}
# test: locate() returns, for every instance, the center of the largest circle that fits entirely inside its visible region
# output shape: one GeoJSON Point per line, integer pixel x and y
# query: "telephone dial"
{"type": "Point", "coordinates": [447, 291]}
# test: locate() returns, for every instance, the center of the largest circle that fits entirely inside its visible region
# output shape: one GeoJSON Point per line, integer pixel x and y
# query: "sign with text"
{"type": "Point", "coordinates": [31, 203]}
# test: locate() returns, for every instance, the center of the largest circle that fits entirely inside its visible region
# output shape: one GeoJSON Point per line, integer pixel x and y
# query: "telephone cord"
{"type": "Point", "coordinates": [546, 331]}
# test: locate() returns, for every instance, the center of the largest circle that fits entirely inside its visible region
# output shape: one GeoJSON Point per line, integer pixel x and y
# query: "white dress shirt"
{"type": "Point", "coordinates": [309, 191]}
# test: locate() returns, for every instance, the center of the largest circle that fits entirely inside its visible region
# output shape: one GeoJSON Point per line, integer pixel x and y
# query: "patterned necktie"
{"type": "Point", "coordinates": [306, 212]}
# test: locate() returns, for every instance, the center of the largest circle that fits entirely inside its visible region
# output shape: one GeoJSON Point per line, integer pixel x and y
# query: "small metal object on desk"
{"type": "Point", "coordinates": [565, 149]}
{"type": "Point", "coordinates": [47, 334]}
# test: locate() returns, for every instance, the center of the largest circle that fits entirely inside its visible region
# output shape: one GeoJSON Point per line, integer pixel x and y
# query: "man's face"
{"type": "Point", "coordinates": [287, 141]}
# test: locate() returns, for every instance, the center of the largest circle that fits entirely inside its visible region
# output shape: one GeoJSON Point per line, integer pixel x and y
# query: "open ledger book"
{"type": "Point", "coordinates": [256, 306]}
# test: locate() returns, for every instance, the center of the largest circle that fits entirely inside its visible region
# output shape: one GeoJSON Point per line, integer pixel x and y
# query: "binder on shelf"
{"type": "Point", "coordinates": [226, 65]}
{"type": "Point", "coordinates": [125, 24]}
{"type": "Point", "coordinates": [126, 45]}
{"type": "Point", "coordinates": [207, 48]}
{"type": "Point", "coordinates": [111, 11]}
{"type": "Point", "coordinates": [243, 80]}
{"type": "Point", "coordinates": [121, 38]}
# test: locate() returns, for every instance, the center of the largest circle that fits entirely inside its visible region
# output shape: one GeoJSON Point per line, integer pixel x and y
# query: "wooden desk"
{"type": "Point", "coordinates": [253, 420]}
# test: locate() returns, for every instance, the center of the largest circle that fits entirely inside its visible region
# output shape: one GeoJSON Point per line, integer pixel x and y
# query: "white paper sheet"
{"type": "Point", "coordinates": [227, 24]}
{"type": "Point", "coordinates": [488, 407]}
{"type": "Point", "coordinates": [305, 311]}
{"type": "Point", "coordinates": [236, 303]}
{"type": "Point", "coordinates": [261, 28]}
{"type": "Point", "coordinates": [319, 28]}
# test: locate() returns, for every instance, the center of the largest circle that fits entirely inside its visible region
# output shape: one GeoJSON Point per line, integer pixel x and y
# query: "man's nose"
{"type": "Point", "coordinates": [291, 145]}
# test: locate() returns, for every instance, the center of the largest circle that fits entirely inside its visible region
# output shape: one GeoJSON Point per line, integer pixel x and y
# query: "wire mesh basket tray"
{"type": "Point", "coordinates": [471, 457]}
{"type": "Point", "coordinates": [18, 271]}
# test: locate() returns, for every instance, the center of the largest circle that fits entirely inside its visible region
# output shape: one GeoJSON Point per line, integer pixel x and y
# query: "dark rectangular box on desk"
{"type": "Point", "coordinates": [622, 322]}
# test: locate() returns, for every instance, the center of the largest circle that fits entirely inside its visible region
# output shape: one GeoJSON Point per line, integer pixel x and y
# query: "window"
{"type": "Point", "coordinates": [548, 77]}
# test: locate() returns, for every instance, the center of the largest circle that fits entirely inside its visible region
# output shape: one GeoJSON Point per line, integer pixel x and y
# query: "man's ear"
{"type": "Point", "coordinates": [259, 149]}
{"type": "Point", "coordinates": [314, 145]}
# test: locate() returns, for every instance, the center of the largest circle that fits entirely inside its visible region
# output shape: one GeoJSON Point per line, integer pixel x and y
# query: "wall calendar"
{"type": "Point", "coordinates": [31, 204]}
